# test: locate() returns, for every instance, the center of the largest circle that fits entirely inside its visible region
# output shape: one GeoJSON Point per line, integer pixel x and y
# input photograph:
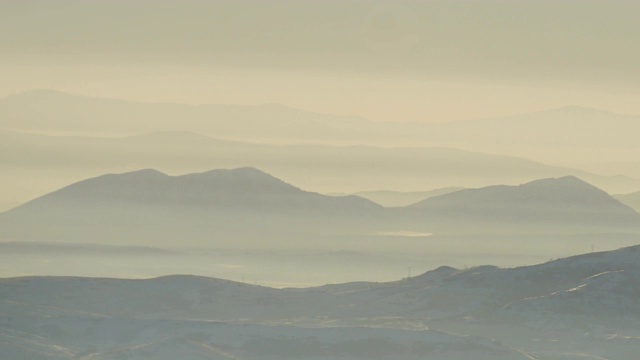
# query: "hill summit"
{"type": "Point", "coordinates": [150, 207]}
{"type": "Point", "coordinates": [558, 200]}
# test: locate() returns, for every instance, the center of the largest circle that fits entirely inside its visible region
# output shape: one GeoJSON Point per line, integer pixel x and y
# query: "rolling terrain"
{"type": "Point", "coordinates": [523, 307]}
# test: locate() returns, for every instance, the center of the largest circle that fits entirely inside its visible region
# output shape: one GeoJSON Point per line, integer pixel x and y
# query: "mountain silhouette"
{"type": "Point", "coordinates": [148, 207]}
{"type": "Point", "coordinates": [238, 188]}
{"type": "Point", "coordinates": [567, 200]}
{"type": "Point", "coordinates": [148, 204]}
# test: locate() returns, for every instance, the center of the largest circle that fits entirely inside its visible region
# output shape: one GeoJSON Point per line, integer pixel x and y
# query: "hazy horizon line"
{"type": "Point", "coordinates": [568, 106]}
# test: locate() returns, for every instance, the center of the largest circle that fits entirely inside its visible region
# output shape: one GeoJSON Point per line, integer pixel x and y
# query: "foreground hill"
{"type": "Point", "coordinates": [452, 294]}
{"type": "Point", "coordinates": [112, 338]}
{"type": "Point", "coordinates": [583, 305]}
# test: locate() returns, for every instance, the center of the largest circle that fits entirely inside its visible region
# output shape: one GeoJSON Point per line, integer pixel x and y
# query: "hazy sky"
{"type": "Point", "coordinates": [396, 60]}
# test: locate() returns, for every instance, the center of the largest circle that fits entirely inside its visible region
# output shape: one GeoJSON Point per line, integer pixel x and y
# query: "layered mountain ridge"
{"type": "Point", "coordinates": [246, 203]}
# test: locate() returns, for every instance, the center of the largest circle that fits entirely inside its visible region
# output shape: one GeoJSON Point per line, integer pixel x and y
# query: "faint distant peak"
{"type": "Point", "coordinates": [570, 112]}
{"type": "Point", "coordinates": [177, 137]}
{"type": "Point", "coordinates": [576, 109]}
{"type": "Point", "coordinates": [57, 96]}
{"type": "Point", "coordinates": [41, 93]}
{"type": "Point", "coordinates": [274, 105]}
{"type": "Point", "coordinates": [170, 134]}
{"type": "Point", "coordinates": [54, 93]}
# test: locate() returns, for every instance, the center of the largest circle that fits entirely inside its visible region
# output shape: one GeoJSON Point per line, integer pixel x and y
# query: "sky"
{"type": "Point", "coordinates": [422, 61]}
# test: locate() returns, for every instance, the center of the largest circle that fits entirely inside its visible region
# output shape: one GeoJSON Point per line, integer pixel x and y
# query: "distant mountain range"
{"type": "Point", "coordinates": [53, 111]}
{"type": "Point", "coordinates": [219, 207]}
{"type": "Point", "coordinates": [585, 305]}
{"type": "Point", "coordinates": [49, 162]}
{"type": "Point", "coordinates": [551, 136]}
{"type": "Point", "coordinates": [336, 152]}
